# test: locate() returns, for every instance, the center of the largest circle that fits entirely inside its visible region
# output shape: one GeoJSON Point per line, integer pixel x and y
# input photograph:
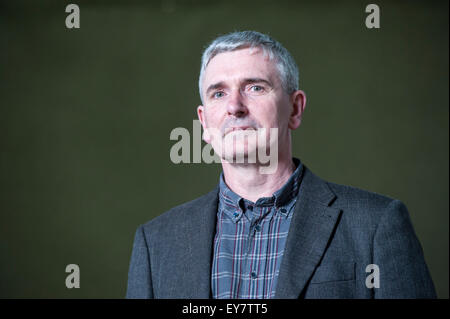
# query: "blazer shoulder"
{"type": "Point", "coordinates": [351, 196]}
{"type": "Point", "coordinates": [342, 196]}
{"type": "Point", "coordinates": [365, 207]}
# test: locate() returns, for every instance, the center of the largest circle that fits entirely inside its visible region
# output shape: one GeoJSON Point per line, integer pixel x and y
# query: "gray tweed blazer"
{"type": "Point", "coordinates": [335, 233]}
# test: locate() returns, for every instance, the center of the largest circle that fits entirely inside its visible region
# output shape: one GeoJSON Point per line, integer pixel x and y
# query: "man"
{"type": "Point", "coordinates": [283, 234]}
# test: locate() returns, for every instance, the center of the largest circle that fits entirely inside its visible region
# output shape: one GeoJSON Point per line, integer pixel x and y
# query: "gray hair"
{"type": "Point", "coordinates": [287, 68]}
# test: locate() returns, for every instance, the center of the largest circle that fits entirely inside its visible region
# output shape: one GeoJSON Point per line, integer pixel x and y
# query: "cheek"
{"type": "Point", "coordinates": [273, 114]}
{"type": "Point", "coordinates": [284, 112]}
{"type": "Point", "coordinates": [213, 117]}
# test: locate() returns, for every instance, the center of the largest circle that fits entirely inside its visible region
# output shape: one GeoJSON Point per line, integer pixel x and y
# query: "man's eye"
{"type": "Point", "coordinates": [217, 95]}
{"type": "Point", "coordinates": [256, 88]}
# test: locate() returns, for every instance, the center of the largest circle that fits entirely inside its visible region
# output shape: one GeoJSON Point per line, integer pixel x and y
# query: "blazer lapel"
{"type": "Point", "coordinates": [311, 228]}
{"type": "Point", "coordinates": [200, 240]}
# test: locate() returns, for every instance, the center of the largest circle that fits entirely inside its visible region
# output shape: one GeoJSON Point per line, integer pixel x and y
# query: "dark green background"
{"type": "Point", "coordinates": [85, 118]}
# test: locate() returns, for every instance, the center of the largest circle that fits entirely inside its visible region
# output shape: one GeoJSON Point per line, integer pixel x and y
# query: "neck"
{"type": "Point", "coordinates": [247, 181]}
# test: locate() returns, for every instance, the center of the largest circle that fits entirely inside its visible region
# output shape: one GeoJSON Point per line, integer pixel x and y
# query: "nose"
{"type": "Point", "coordinates": [236, 106]}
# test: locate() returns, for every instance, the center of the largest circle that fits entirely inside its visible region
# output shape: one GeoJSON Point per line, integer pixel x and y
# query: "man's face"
{"type": "Point", "coordinates": [241, 91]}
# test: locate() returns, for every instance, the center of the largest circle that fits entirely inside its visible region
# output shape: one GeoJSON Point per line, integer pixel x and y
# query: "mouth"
{"type": "Point", "coordinates": [238, 128]}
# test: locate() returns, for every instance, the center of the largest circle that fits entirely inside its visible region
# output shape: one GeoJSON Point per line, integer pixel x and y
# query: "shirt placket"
{"type": "Point", "coordinates": [252, 256]}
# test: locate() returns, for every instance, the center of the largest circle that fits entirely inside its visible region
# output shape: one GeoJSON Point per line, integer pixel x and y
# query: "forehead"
{"type": "Point", "coordinates": [240, 64]}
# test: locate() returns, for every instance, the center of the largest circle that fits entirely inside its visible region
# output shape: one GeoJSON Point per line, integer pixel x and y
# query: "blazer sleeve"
{"type": "Point", "coordinates": [397, 251]}
{"type": "Point", "coordinates": [139, 274]}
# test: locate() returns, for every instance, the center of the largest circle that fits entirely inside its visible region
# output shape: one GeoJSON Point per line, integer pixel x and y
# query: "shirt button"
{"type": "Point", "coordinates": [250, 207]}
{"type": "Point", "coordinates": [254, 275]}
{"type": "Point", "coordinates": [283, 211]}
{"type": "Point", "coordinates": [258, 228]}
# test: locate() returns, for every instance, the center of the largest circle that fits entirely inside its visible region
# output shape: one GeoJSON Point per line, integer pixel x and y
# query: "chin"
{"type": "Point", "coordinates": [241, 153]}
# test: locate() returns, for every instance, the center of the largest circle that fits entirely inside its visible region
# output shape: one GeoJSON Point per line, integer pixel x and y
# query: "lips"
{"type": "Point", "coordinates": [238, 128]}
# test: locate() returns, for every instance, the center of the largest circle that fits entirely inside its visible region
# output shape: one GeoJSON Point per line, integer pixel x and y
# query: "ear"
{"type": "Point", "coordinates": [201, 118]}
{"type": "Point", "coordinates": [298, 103]}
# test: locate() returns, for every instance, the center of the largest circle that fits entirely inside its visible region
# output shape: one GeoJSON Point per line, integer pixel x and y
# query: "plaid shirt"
{"type": "Point", "coordinates": [250, 239]}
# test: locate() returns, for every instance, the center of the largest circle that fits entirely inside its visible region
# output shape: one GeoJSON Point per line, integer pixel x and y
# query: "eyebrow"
{"type": "Point", "coordinates": [258, 80]}
{"type": "Point", "coordinates": [221, 84]}
{"type": "Point", "coordinates": [214, 86]}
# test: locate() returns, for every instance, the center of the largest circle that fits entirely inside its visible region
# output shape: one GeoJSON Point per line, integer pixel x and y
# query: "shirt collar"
{"type": "Point", "coordinates": [283, 199]}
